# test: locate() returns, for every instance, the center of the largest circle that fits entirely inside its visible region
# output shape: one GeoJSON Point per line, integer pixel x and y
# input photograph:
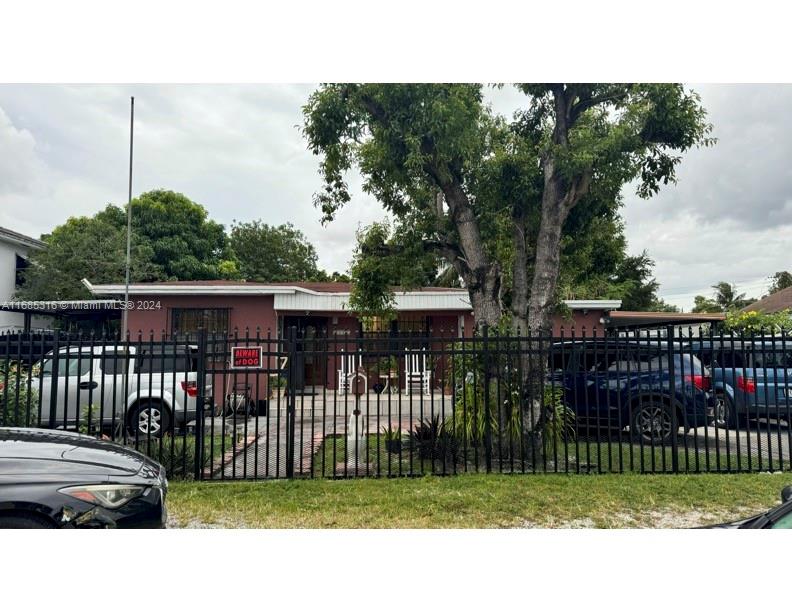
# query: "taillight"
{"type": "Point", "coordinates": [190, 386]}
{"type": "Point", "coordinates": [746, 384]}
{"type": "Point", "coordinates": [700, 381]}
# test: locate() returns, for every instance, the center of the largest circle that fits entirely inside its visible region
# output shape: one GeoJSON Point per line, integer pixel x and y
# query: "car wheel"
{"type": "Point", "coordinates": [725, 415]}
{"type": "Point", "coordinates": [149, 419]}
{"type": "Point", "coordinates": [24, 522]}
{"type": "Point", "coordinates": [653, 422]}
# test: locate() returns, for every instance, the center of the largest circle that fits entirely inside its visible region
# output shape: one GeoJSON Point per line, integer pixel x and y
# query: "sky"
{"type": "Point", "coordinates": [238, 151]}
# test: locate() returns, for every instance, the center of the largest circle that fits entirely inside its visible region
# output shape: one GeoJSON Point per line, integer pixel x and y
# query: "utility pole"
{"type": "Point", "coordinates": [124, 315]}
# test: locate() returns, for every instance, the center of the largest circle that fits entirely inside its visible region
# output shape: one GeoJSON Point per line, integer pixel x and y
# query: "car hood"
{"type": "Point", "coordinates": [48, 452]}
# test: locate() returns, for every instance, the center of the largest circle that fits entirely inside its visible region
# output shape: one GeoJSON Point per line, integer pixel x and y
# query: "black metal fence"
{"type": "Point", "coordinates": [253, 406]}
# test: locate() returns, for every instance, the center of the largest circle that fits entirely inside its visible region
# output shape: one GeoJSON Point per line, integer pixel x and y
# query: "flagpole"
{"type": "Point", "coordinates": [124, 312]}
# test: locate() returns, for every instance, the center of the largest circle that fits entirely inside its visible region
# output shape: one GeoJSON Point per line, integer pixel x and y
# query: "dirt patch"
{"type": "Point", "coordinates": [174, 523]}
{"type": "Point", "coordinates": [661, 518]}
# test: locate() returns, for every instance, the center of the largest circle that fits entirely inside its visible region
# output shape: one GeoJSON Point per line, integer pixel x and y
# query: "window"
{"type": "Point", "coordinates": [113, 363]}
{"type": "Point", "coordinates": [190, 320]}
{"type": "Point", "coordinates": [560, 361]}
{"type": "Point", "coordinates": [375, 325]}
{"type": "Point", "coordinates": [169, 359]}
{"type": "Point", "coordinates": [71, 366]}
{"type": "Point", "coordinates": [727, 358]}
{"type": "Point", "coordinates": [414, 325]}
{"type": "Point", "coordinates": [771, 359]}
{"type": "Point", "coordinates": [21, 265]}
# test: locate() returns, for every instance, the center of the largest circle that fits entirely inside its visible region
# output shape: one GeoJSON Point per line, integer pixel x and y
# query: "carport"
{"type": "Point", "coordinates": [97, 315]}
{"type": "Point", "coordinates": [627, 320]}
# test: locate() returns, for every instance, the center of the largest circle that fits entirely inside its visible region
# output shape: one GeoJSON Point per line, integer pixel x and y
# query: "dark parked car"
{"type": "Point", "coordinates": [623, 383]}
{"type": "Point", "coordinates": [752, 378]}
{"type": "Point", "coordinates": [779, 517]}
{"type": "Point", "coordinates": [56, 479]}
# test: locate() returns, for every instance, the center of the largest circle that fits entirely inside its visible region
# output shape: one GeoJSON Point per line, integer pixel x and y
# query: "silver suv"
{"type": "Point", "coordinates": [149, 389]}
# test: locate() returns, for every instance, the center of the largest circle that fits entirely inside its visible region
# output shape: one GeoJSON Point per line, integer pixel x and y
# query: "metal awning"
{"type": "Point", "coordinates": [627, 318]}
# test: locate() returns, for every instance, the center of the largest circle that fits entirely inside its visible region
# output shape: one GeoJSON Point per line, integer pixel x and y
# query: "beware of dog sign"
{"type": "Point", "coordinates": [249, 357]}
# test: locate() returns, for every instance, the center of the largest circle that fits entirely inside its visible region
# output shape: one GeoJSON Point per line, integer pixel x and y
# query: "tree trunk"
{"type": "Point", "coordinates": [519, 295]}
{"type": "Point", "coordinates": [558, 198]}
{"type": "Point", "coordinates": [483, 277]}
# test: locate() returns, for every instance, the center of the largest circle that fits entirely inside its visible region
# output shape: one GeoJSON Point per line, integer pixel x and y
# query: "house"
{"type": "Point", "coordinates": [314, 309]}
{"type": "Point", "coordinates": [319, 308]}
{"type": "Point", "coordinates": [15, 250]}
{"type": "Point", "coordinates": [775, 302]}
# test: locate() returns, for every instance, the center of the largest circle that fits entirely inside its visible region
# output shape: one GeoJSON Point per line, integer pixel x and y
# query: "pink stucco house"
{"type": "Point", "coordinates": [316, 309]}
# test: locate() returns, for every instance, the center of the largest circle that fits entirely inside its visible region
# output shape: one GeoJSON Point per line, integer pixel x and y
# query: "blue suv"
{"type": "Point", "coordinates": [752, 378]}
{"type": "Point", "coordinates": [623, 383]}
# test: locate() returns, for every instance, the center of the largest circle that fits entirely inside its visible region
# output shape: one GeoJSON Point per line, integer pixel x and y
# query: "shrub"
{"type": "Point", "coordinates": [559, 422]}
{"type": "Point", "coordinates": [431, 440]}
{"type": "Point", "coordinates": [18, 396]}
{"type": "Point", "coordinates": [182, 451]}
{"type": "Point", "coordinates": [758, 322]}
{"type": "Point", "coordinates": [391, 433]}
{"type": "Point", "coordinates": [89, 421]}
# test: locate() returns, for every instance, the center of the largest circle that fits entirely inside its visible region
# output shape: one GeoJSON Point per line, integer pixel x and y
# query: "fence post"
{"type": "Point", "coordinates": [53, 407]}
{"type": "Point", "coordinates": [673, 396]}
{"type": "Point", "coordinates": [291, 400]}
{"type": "Point", "coordinates": [486, 411]}
{"type": "Point", "coordinates": [199, 404]}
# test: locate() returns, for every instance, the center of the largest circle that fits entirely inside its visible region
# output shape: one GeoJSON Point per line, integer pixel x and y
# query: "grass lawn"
{"type": "Point", "coordinates": [477, 500]}
{"type": "Point", "coordinates": [581, 456]}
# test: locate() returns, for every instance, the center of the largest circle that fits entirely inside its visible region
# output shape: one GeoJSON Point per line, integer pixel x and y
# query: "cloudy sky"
{"type": "Point", "coordinates": [237, 151]}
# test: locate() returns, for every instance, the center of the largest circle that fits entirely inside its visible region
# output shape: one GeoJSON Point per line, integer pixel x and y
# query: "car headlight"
{"type": "Point", "coordinates": [107, 495]}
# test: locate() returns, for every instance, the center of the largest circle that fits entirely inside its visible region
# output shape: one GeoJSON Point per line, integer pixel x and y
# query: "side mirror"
{"type": "Point", "coordinates": [786, 493]}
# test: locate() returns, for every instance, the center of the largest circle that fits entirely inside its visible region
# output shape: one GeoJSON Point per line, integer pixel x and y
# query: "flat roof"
{"type": "Point", "coordinates": [318, 296]}
{"type": "Point", "coordinates": [232, 287]}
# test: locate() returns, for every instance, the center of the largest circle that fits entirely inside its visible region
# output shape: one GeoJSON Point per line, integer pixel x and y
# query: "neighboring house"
{"type": "Point", "coordinates": [314, 309]}
{"type": "Point", "coordinates": [775, 302]}
{"type": "Point", "coordinates": [15, 250]}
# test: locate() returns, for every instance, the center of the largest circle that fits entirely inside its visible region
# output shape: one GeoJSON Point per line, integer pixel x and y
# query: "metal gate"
{"type": "Point", "coordinates": [246, 430]}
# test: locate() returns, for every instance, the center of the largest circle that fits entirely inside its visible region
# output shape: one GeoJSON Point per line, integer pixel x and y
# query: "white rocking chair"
{"type": "Point", "coordinates": [351, 369]}
{"type": "Point", "coordinates": [416, 374]}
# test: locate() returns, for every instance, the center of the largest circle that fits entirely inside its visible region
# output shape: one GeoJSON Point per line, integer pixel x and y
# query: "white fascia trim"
{"type": "Point", "coordinates": [241, 289]}
{"type": "Point", "coordinates": [18, 239]}
{"type": "Point", "coordinates": [188, 290]}
{"type": "Point", "coordinates": [593, 304]}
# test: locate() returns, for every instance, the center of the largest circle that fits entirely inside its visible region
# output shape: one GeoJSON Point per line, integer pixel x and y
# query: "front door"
{"type": "Point", "coordinates": [310, 365]}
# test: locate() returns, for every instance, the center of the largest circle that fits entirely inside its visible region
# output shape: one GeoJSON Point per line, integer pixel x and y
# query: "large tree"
{"type": "Point", "coordinates": [725, 299]}
{"type": "Point", "coordinates": [780, 280]}
{"type": "Point", "coordinates": [185, 242]}
{"type": "Point", "coordinates": [491, 197]}
{"type": "Point", "coordinates": [271, 253]}
{"type": "Point", "coordinates": [84, 247]}
{"type": "Point", "coordinates": [172, 239]}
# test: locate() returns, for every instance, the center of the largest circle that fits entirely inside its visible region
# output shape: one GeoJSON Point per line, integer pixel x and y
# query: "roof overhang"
{"type": "Point", "coordinates": [293, 297]}
{"type": "Point", "coordinates": [623, 318]}
{"type": "Point", "coordinates": [593, 304]}
{"type": "Point", "coordinates": [12, 237]}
